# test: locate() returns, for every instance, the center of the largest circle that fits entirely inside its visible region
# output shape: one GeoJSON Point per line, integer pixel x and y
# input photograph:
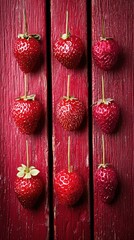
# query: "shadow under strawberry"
{"type": "Point", "coordinates": [41, 124]}
{"type": "Point", "coordinates": [83, 124]}
{"type": "Point", "coordinates": [82, 200]}
{"type": "Point", "coordinates": [40, 200]}
{"type": "Point", "coordinates": [117, 193]}
{"type": "Point", "coordinates": [82, 62]}
{"type": "Point", "coordinates": [39, 64]}
{"type": "Point", "coordinates": [119, 124]}
{"type": "Point", "coordinates": [121, 61]}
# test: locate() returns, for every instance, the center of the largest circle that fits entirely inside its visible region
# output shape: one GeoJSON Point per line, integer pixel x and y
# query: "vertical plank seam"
{"type": "Point", "coordinates": [89, 67]}
{"type": "Point", "coordinates": [49, 121]}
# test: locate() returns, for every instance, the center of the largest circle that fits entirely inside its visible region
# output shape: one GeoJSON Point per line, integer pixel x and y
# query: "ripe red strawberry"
{"type": "Point", "coordinates": [68, 50]}
{"type": "Point", "coordinates": [106, 181]}
{"type": "Point", "coordinates": [68, 187]}
{"type": "Point", "coordinates": [28, 186]}
{"type": "Point", "coordinates": [106, 114]}
{"type": "Point", "coordinates": [26, 112]}
{"type": "Point", "coordinates": [27, 51]}
{"type": "Point", "coordinates": [105, 53]}
{"type": "Point", "coordinates": [70, 113]}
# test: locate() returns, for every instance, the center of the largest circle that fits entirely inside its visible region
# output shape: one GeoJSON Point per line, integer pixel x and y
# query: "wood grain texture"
{"type": "Point", "coordinates": [116, 221]}
{"type": "Point", "coordinates": [17, 223]}
{"type": "Point", "coordinates": [111, 222]}
{"type": "Point", "coordinates": [74, 222]}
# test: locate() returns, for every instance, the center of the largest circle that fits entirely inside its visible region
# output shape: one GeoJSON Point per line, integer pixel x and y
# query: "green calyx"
{"type": "Point", "coordinates": [27, 36]}
{"type": "Point", "coordinates": [105, 101]}
{"type": "Point", "coordinates": [27, 172]}
{"type": "Point", "coordinates": [65, 36]}
{"type": "Point", "coordinates": [103, 165]}
{"type": "Point", "coordinates": [30, 97]}
{"type": "Point", "coordinates": [69, 98]}
{"type": "Point", "coordinates": [105, 38]}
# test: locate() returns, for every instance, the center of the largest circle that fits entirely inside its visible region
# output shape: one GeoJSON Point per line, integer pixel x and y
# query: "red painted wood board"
{"type": "Point", "coordinates": [116, 221]}
{"type": "Point", "coordinates": [15, 222]}
{"type": "Point", "coordinates": [70, 222]}
{"type": "Point", "coordinates": [113, 221]}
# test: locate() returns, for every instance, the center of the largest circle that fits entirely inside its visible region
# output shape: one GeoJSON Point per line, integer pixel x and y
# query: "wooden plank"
{"type": "Point", "coordinates": [70, 222]}
{"type": "Point", "coordinates": [116, 221]}
{"type": "Point", "coordinates": [15, 222]}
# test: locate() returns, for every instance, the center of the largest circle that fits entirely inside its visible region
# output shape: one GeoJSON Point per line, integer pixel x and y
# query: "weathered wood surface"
{"type": "Point", "coordinates": [116, 221]}
{"type": "Point", "coordinates": [73, 222]}
{"type": "Point", "coordinates": [15, 222]}
{"type": "Point", "coordinates": [111, 222]}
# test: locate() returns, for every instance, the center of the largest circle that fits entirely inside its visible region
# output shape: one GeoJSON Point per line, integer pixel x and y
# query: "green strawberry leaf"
{"type": "Point", "coordinates": [20, 169]}
{"type": "Point", "coordinates": [27, 36]}
{"type": "Point", "coordinates": [34, 172]}
{"type": "Point", "coordinates": [27, 176]}
{"type": "Point", "coordinates": [28, 97]}
{"type": "Point", "coordinates": [27, 172]}
{"type": "Point", "coordinates": [20, 174]}
{"type": "Point", "coordinates": [24, 166]}
{"type": "Point", "coordinates": [32, 167]}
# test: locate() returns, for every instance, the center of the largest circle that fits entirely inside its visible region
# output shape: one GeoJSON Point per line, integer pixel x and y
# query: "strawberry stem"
{"type": "Point", "coordinates": [25, 22]}
{"type": "Point", "coordinates": [68, 86]}
{"type": "Point", "coordinates": [103, 151]}
{"type": "Point", "coordinates": [103, 92]}
{"type": "Point", "coordinates": [67, 34]}
{"type": "Point", "coordinates": [67, 31]}
{"type": "Point", "coordinates": [27, 155]}
{"type": "Point", "coordinates": [69, 167]}
{"type": "Point", "coordinates": [25, 86]}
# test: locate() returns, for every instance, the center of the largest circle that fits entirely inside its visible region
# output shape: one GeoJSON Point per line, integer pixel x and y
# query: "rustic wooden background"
{"type": "Point", "coordinates": [70, 223]}
{"type": "Point", "coordinates": [17, 223]}
{"type": "Point", "coordinates": [90, 219]}
{"type": "Point", "coordinates": [116, 221]}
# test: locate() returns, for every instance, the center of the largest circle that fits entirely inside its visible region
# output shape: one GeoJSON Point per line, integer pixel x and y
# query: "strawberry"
{"type": "Point", "coordinates": [68, 187]}
{"type": "Point", "coordinates": [105, 53]}
{"type": "Point", "coordinates": [106, 114]}
{"type": "Point", "coordinates": [27, 51]}
{"type": "Point", "coordinates": [70, 113]}
{"type": "Point", "coordinates": [26, 112]}
{"type": "Point", "coordinates": [106, 182]}
{"type": "Point", "coordinates": [28, 186]}
{"type": "Point", "coordinates": [68, 50]}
